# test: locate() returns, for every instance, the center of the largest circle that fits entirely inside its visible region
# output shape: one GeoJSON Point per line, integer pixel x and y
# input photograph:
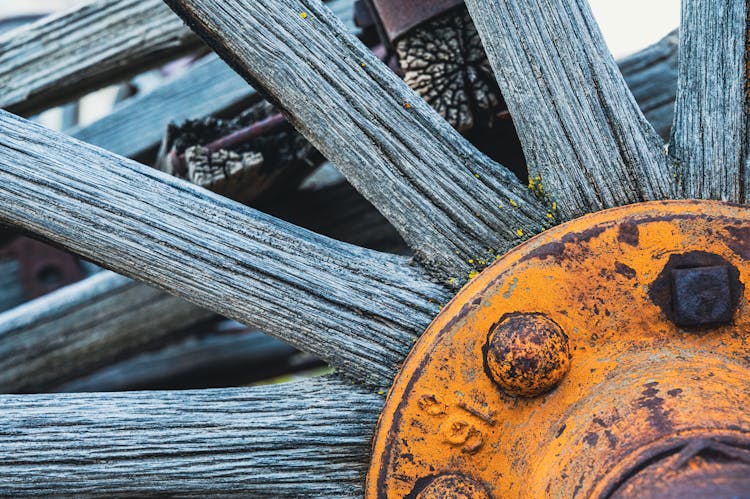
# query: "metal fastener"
{"type": "Point", "coordinates": [527, 354]}
{"type": "Point", "coordinates": [451, 485]}
{"type": "Point", "coordinates": [702, 296]}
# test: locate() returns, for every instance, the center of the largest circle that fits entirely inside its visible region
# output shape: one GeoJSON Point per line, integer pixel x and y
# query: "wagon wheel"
{"type": "Point", "coordinates": [357, 309]}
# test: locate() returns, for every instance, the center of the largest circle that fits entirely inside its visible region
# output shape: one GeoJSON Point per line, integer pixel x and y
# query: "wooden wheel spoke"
{"type": "Point", "coordinates": [434, 187]}
{"type": "Point", "coordinates": [81, 327]}
{"type": "Point", "coordinates": [651, 74]}
{"type": "Point", "coordinates": [358, 309]}
{"type": "Point", "coordinates": [580, 127]}
{"type": "Point", "coordinates": [709, 141]}
{"type": "Point", "coordinates": [100, 42]}
{"type": "Point", "coordinates": [67, 334]}
{"type": "Point", "coordinates": [63, 56]}
{"type": "Point", "coordinates": [307, 438]}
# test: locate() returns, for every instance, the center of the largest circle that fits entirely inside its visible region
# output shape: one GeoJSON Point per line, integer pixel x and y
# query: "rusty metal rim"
{"type": "Point", "coordinates": [571, 234]}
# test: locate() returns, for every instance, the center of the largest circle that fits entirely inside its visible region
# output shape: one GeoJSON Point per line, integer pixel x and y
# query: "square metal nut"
{"type": "Point", "coordinates": [702, 296]}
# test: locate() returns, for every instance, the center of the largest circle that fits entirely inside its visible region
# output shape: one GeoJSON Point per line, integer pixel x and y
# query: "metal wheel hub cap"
{"type": "Point", "coordinates": [598, 359]}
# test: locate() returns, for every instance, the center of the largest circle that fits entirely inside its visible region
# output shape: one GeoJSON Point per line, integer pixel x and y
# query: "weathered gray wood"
{"type": "Point", "coordinates": [85, 326]}
{"type": "Point", "coordinates": [358, 309]}
{"type": "Point", "coordinates": [203, 360]}
{"type": "Point", "coordinates": [106, 317]}
{"type": "Point", "coordinates": [580, 127]}
{"type": "Point", "coordinates": [441, 193]}
{"type": "Point", "coordinates": [137, 124]}
{"type": "Point", "coordinates": [709, 141]}
{"type": "Point", "coordinates": [651, 75]}
{"type": "Point", "coordinates": [309, 438]}
{"type": "Point", "coordinates": [63, 56]}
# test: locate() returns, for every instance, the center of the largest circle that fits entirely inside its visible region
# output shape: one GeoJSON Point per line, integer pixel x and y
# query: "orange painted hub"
{"type": "Point", "coordinates": [594, 360]}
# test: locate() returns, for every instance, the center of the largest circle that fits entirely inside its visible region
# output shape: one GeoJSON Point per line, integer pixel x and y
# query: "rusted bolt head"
{"type": "Point", "coordinates": [527, 354]}
{"type": "Point", "coordinates": [702, 296]}
{"type": "Point", "coordinates": [452, 486]}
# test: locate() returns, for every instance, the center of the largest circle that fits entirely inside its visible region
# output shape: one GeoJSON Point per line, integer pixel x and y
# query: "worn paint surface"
{"type": "Point", "coordinates": [635, 378]}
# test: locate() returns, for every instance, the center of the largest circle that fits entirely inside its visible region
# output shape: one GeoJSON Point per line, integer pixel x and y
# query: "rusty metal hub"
{"type": "Point", "coordinates": [607, 357]}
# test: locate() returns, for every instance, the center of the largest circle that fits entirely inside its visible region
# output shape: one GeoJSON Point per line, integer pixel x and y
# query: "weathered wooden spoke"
{"type": "Point", "coordinates": [66, 334]}
{"type": "Point", "coordinates": [450, 202]}
{"type": "Point", "coordinates": [580, 127]}
{"type": "Point", "coordinates": [308, 438]}
{"type": "Point", "coordinates": [358, 309]}
{"type": "Point", "coordinates": [651, 74]}
{"type": "Point", "coordinates": [208, 87]}
{"type": "Point", "coordinates": [709, 143]}
{"type": "Point", "coordinates": [84, 326]}
{"type": "Point", "coordinates": [61, 57]}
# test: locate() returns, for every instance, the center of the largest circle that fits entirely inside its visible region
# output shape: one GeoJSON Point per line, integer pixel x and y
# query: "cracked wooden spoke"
{"type": "Point", "coordinates": [301, 439]}
{"type": "Point", "coordinates": [709, 138]}
{"type": "Point", "coordinates": [579, 125]}
{"type": "Point", "coordinates": [441, 193]}
{"type": "Point", "coordinates": [358, 309]}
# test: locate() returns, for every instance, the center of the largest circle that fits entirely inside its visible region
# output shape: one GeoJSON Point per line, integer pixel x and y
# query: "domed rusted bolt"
{"type": "Point", "coordinates": [527, 354]}
{"type": "Point", "coordinates": [454, 486]}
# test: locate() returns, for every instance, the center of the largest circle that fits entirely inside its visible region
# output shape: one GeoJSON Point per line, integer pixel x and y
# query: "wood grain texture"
{"type": "Point", "coordinates": [442, 195]}
{"type": "Point", "coordinates": [137, 124]}
{"type": "Point", "coordinates": [357, 309]}
{"type": "Point", "coordinates": [209, 87]}
{"type": "Point", "coordinates": [580, 127]}
{"type": "Point", "coordinates": [302, 439]}
{"type": "Point", "coordinates": [340, 212]}
{"type": "Point", "coordinates": [208, 358]}
{"type": "Point", "coordinates": [651, 75]}
{"type": "Point", "coordinates": [107, 317]}
{"type": "Point", "coordinates": [61, 57]}
{"type": "Point", "coordinates": [85, 326]}
{"type": "Point", "coordinates": [709, 137]}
